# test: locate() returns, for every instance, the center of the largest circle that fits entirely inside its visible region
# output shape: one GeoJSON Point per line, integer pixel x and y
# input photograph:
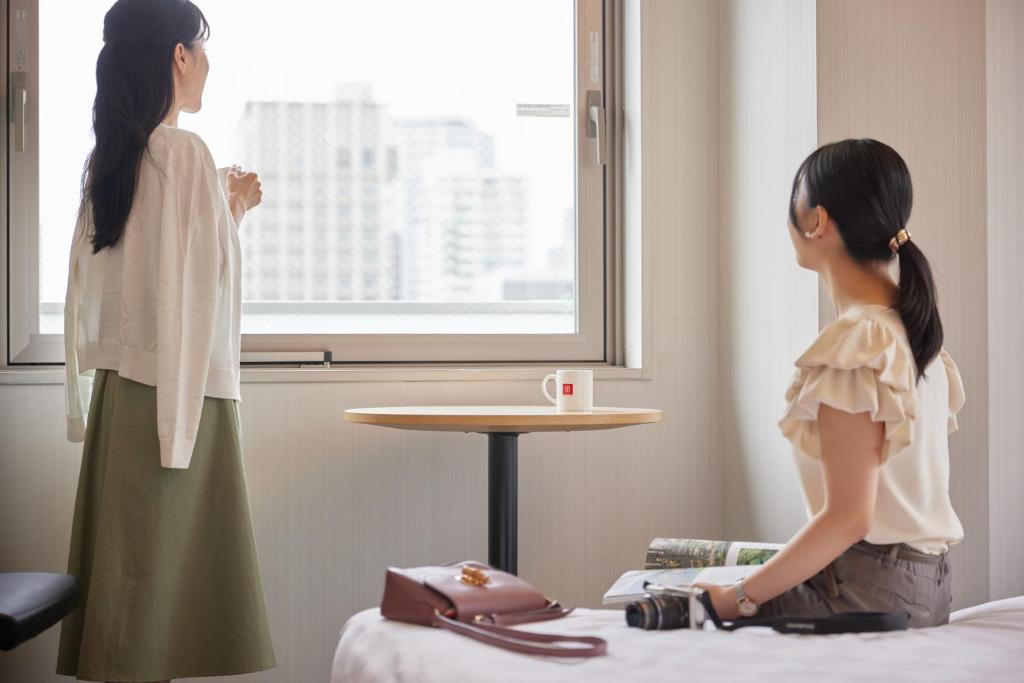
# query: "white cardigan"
{"type": "Point", "coordinates": [162, 306]}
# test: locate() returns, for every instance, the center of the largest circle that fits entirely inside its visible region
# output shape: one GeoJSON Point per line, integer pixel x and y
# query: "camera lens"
{"type": "Point", "coordinates": [658, 612]}
{"type": "Point", "coordinates": [639, 614]}
{"type": "Point", "coordinates": [671, 611]}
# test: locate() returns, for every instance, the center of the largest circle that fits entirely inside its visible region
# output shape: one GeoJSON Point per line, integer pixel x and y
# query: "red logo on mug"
{"type": "Point", "coordinates": [566, 390]}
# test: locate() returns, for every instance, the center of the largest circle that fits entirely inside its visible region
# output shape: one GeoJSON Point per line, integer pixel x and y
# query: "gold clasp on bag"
{"type": "Point", "coordinates": [473, 576]}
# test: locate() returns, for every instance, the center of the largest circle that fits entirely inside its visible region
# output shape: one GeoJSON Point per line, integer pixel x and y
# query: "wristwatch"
{"type": "Point", "coordinates": [748, 607]}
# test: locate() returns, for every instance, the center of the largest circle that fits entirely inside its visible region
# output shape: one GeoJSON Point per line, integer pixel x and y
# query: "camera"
{"type": "Point", "coordinates": [668, 607]}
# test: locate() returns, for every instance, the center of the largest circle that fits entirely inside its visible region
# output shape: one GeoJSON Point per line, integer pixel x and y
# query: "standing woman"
{"type": "Point", "coordinates": [162, 540]}
{"type": "Point", "coordinates": [869, 411]}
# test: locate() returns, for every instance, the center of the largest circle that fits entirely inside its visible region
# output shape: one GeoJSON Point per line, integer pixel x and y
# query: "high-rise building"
{"type": "Point", "coordinates": [461, 221]}
{"type": "Point", "coordinates": [319, 234]}
{"type": "Point", "coordinates": [357, 207]}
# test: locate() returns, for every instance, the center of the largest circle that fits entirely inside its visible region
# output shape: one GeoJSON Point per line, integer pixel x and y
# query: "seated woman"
{"type": "Point", "coordinates": [869, 411]}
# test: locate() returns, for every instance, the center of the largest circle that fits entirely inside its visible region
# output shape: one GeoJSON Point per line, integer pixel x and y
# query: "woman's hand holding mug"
{"type": "Point", "coordinates": [243, 189]}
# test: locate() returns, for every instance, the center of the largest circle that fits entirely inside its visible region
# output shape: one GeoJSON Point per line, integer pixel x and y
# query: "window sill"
{"type": "Point", "coordinates": [292, 375]}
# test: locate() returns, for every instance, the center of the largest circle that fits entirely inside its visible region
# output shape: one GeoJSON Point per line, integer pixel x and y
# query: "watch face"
{"type": "Point", "coordinates": [747, 608]}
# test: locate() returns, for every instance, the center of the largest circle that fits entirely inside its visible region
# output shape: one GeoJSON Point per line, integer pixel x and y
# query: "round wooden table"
{"type": "Point", "coordinates": [502, 425]}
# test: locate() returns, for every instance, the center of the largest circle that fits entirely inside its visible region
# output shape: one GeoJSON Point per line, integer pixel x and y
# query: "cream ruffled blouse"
{"type": "Point", "coordinates": [862, 362]}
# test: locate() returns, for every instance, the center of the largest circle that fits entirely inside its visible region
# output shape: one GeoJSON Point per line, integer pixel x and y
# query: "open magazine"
{"type": "Point", "coordinates": [683, 562]}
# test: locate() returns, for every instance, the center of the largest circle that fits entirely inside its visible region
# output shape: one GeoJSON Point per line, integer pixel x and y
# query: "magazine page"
{"type": "Point", "coordinates": [671, 553]}
{"type": "Point", "coordinates": [633, 584]}
{"type": "Point", "coordinates": [747, 553]}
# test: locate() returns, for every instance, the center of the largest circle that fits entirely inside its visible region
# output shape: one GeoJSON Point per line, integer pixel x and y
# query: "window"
{"type": "Point", "coordinates": [433, 187]}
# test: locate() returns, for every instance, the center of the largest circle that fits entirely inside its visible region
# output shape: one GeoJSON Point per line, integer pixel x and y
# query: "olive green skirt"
{"type": "Point", "coordinates": [166, 558]}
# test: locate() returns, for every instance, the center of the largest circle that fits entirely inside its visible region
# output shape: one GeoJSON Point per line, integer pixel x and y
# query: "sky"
{"type": "Point", "coordinates": [471, 59]}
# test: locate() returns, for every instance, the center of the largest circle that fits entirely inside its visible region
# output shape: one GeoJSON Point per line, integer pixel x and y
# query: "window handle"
{"type": "Point", "coordinates": [596, 125]}
{"type": "Point", "coordinates": [19, 109]}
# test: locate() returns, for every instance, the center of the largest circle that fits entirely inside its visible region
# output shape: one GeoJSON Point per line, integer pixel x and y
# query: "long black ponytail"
{"type": "Point", "coordinates": [134, 93]}
{"type": "Point", "coordinates": [865, 187]}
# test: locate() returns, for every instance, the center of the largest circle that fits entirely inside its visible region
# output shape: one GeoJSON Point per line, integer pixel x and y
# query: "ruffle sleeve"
{"type": "Point", "coordinates": [856, 365]}
{"type": "Point", "coordinates": [956, 389]}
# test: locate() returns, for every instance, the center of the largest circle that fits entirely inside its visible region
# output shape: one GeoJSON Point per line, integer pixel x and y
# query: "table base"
{"type": "Point", "coordinates": [502, 501]}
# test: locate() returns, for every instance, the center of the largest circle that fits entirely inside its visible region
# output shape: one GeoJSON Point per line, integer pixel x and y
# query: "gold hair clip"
{"type": "Point", "coordinates": [901, 238]}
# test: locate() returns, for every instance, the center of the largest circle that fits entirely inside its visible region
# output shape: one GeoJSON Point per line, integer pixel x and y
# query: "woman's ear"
{"type": "Point", "coordinates": [820, 225]}
{"type": "Point", "coordinates": [181, 59]}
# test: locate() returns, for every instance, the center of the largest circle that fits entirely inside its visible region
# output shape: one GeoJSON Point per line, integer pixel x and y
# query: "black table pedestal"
{"type": "Point", "coordinates": [502, 507]}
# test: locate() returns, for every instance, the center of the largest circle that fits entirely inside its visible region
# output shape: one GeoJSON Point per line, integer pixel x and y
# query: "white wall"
{"type": "Point", "coordinates": [768, 304]}
{"type": "Point", "coordinates": [1004, 22]}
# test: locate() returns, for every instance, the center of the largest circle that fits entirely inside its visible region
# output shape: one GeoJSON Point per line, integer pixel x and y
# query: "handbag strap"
{"type": "Point", "coordinates": [552, 611]}
{"type": "Point", "coordinates": [547, 644]}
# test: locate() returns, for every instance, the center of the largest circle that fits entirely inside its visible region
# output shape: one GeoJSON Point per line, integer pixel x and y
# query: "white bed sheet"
{"type": "Point", "coordinates": [983, 643]}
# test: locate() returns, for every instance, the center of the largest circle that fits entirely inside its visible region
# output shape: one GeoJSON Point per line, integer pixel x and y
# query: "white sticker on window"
{"type": "Point", "coordinates": [559, 110]}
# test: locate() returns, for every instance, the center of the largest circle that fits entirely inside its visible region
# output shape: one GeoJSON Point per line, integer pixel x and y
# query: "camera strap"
{"type": "Point", "coordinates": [844, 622]}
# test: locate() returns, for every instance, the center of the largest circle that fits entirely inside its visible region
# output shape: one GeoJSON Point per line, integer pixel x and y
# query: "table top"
{"type": "Point", "coordinates": [512, 419]}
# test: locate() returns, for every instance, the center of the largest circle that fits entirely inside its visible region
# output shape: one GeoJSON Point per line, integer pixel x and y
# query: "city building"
{"type": "Point", "coordinates": [358, 207]}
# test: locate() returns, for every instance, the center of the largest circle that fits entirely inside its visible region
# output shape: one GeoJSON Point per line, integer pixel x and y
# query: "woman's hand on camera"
{"type": "Point", "coordinates": [723, 598]}
{"type": "Point", "coordinates": [244, 191]}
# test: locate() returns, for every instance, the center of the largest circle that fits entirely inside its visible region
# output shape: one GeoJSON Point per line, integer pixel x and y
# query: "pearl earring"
{"type": "Point", "coordinates": [807, 235]}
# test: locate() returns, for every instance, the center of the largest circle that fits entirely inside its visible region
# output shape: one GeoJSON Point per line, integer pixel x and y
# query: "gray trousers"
{"type": "Point", "coordinates": [873, 578]}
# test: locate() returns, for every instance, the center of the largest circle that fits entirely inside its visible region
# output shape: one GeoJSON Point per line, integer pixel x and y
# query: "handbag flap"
{"type": "Point", "coordinates": [407, 598]}
{"type": "Point", "coordinates": [496, 592]}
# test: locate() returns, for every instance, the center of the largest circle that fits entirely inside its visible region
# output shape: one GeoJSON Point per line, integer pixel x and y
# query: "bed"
{"type": "Point", "coordinates": [982, 643]}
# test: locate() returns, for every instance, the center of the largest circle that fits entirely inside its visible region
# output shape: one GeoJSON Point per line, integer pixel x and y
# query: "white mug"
{"type": "Point", "coordinates": [574, 390]}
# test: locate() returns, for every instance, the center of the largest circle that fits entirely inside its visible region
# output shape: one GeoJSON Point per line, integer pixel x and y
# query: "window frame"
{"type": "Point", "coordinates": [598, 276]}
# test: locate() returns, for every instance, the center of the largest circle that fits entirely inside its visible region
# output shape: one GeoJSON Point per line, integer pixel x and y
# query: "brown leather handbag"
{"type": "Point", "coordinates": [475, 600]}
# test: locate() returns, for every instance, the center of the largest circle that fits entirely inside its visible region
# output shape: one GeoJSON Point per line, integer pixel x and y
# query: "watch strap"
{"type": "Point", "coordinates": [744, 601]}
